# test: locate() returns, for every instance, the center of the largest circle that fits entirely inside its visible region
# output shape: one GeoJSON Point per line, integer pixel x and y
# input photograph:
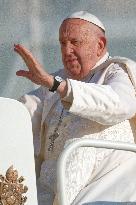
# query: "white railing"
{"type": "Point", "coordinates": [61, 165]}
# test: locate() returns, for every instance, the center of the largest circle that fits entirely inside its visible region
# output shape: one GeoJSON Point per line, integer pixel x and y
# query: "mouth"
{"type": "Point", "coordinates": [71, 60]}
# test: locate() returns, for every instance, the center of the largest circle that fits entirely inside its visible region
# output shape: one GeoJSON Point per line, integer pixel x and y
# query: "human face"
{"type": "Point", "coordinates": [79, 47]}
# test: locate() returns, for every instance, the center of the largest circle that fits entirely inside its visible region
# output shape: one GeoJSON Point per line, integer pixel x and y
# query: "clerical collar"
{"type": "Point", "coordinates": [102, 60]}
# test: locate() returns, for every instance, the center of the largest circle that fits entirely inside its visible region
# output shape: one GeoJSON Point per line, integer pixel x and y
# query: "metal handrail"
{"type": "Point", "coordinates": [61, 164]}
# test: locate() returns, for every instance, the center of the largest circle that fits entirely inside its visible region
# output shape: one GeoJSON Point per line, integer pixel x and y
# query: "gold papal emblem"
{"type": "Point", "coordinates": [12, 189]}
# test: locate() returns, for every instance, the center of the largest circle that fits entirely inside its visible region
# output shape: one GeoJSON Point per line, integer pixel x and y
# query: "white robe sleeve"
{"type": "Point", "coordinates": [110, 103]}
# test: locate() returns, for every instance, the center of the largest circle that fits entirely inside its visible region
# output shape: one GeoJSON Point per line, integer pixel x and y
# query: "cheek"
{"type": "Point", "coordinates": [63, 60]}
{"type": "Point", "coordinates": [82, 57]}
{"type": "Point", "coordinates": [88, 55]}
{"type": "Point", "coordinates": [62, 56]}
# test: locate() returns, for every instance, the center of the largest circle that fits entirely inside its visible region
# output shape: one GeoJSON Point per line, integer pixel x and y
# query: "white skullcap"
{"type": "Point", "coordinates": [87, 17]}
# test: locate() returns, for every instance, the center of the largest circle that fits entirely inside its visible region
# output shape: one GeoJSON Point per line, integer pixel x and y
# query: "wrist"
{"type": "Point", "coordinates": [58, 84]}
{"type": "Point", "coordinates": [62, 89]}
{"type": "Point", "coordinates": [51, 81]}
{"type": "Point", "coordinates": [48, 81]}
{"type": "Point", "coordinates": [57, 80]}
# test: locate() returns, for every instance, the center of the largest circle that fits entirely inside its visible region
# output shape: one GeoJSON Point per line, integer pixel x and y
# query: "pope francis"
{"type": "Point", "coordinates": [92, 97]}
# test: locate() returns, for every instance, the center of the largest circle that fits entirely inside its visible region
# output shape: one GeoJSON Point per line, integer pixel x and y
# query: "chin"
{"type": "Point", "coordinates": [73, 75]}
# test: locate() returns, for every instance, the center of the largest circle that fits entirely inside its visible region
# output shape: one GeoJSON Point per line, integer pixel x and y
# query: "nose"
{"type": "Point", "coordinates": [67, 49]}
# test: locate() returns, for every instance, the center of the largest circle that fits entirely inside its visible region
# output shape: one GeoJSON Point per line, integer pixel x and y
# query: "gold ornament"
{"type": "Point", "coordinates": [12, 189]}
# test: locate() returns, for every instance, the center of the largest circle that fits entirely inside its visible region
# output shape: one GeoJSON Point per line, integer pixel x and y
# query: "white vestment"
{"type": "Point", "coordinates": [98, 108]}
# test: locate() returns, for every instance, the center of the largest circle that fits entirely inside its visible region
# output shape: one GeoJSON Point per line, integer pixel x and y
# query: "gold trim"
{"type": "Point", "coordinates": [12, 189]}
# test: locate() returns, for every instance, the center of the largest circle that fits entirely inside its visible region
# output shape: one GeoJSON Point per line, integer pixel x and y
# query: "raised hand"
{"type": "Point", "coordinates": [35, 71]}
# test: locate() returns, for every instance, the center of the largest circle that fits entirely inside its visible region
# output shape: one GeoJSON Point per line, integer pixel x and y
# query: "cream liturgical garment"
{"type": "Point", "coordinates": [98, 109]}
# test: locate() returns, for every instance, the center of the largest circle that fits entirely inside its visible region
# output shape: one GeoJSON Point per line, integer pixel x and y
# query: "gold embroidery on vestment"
{"type": "Point", "coordinates": [12, 189]}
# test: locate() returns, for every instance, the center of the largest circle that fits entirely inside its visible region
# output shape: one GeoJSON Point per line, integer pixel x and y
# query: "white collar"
{"type": "Point", "coordinates": [102, 60]}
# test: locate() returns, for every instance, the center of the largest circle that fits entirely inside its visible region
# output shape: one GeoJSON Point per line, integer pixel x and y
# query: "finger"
{"type": "Point", "coordinates": [30, 61]}
{"type": "Point", "coordinates": [28, 75]}
{"type": "Point", "coordinates": [23, 73]}
{"type": "Point", "coordinates": [25, 54]}
{"type": "Point", "coordinates": [17, 49]}
{"type": "Point", "coordinates": [22, 50]}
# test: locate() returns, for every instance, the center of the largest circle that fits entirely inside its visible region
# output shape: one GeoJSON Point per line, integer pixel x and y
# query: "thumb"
{"type": "Point", "coordinates": [22, 73]}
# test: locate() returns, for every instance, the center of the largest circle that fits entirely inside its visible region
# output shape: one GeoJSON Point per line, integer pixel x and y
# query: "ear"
{"type": "Point", "coordinates": [101, 45]}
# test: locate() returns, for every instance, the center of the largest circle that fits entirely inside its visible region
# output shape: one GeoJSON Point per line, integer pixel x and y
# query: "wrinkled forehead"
{"type": "Point", "coordinates": [76, 27]}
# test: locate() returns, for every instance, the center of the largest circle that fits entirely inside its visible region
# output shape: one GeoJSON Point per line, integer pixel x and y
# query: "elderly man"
{"type": "Point", "coordinates": [91, 97]}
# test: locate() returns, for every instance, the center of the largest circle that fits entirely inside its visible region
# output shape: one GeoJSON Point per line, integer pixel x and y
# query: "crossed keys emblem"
{"type": "Point", "coordinates": [12, 189]}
